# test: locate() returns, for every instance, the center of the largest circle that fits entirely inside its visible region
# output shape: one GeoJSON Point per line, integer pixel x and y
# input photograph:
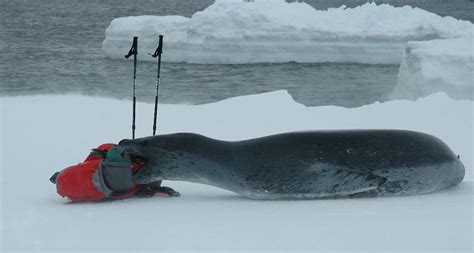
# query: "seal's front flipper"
{"type": "Point", "coordinates": [155, 188]}
{"type": "Point", "coordinates": [167, 191]}
{"type": "Point", "coordinates": [163, 190]}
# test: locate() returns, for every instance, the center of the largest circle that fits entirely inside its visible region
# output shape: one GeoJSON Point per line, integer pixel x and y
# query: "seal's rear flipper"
{"type": "Point", "coordinates": [320, 182]}
{"type": "Point", "coordinates": [345, 181]}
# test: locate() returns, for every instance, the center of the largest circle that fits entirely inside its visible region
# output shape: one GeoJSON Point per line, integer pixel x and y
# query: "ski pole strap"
{"type": "Point", "coordinates": [134, 49]}
{"type": "Point", "coordinates": [159, 49]}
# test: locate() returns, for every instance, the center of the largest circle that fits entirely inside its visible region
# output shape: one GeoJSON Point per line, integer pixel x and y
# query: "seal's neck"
{"type": "Point", "coordinates": [199, 167]}
{"type": "Point", "coordinates": [193, 158]}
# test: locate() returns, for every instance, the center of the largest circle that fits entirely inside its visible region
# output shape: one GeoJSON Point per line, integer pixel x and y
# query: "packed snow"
{"type": "Point", "coordinates": [236, 31]}
{"type": "Point", "coordinates": [43, 134]}
{"type": "Point", "coordinates": [437, 65]}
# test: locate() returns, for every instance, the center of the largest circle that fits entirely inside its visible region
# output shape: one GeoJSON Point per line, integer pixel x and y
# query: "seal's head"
{"type": "Point", "coordinates": [158, 147]}
{"type": "Point", "coordinates": [171, 156]}
{"type": "Point", "coordinates": [150, 151]}
{"type": "Point", "coordinates": [137, 149]}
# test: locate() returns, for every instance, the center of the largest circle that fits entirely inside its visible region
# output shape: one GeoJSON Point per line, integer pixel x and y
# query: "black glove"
{"type": "Point", "coordinates": [53, 178]}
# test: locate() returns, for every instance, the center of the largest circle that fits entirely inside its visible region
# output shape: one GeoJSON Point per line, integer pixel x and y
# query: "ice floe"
{"type": "Point", "coordinates": [235, 31]}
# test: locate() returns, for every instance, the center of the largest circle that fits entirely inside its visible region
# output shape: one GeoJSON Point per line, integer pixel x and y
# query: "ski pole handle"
{"type": "Point", "coordinates": [159, 49]}
{"type": "Point", "coordinates": [134, 49]}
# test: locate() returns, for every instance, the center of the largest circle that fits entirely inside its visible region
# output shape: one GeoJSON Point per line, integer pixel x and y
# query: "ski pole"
{"type": "Point", "coordinates": [134, 51]}
{"type": "Point", "coordinates": [158, 52]}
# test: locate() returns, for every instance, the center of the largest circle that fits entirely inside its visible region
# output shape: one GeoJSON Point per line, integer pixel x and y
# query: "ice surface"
{"type": "Point", "coordinates": [437, 65]}
{"type": "Point", "coordinates": [234, 31]}
{"type": "Point", "coordinates": [43, 134]}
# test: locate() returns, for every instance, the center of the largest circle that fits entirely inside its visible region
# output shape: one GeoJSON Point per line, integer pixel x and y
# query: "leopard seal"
{"type": "Point", "coordinates": [303, 165]}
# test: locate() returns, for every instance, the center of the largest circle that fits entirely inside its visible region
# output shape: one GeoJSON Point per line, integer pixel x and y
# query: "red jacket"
{"type": "Point", "coordinates": [87, 181]}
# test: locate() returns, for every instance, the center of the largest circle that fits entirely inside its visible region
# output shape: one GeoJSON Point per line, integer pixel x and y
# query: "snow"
{"type": "Point", "coordinates": [437, 65]}
{"type": "Point", "coordinates": [43, 134]}
{"type": "Point", "coordinates": [235, 31]}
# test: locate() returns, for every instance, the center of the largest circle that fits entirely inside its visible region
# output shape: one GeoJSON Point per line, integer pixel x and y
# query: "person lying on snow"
{"type": "Point", "coordinates": [107, 173]}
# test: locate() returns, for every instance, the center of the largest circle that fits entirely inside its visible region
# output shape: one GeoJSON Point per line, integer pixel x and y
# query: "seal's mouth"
{"type": "Point", "coordinates": [133, 150]}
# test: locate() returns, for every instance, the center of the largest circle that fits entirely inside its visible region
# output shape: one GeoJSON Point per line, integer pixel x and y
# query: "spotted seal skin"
{"type": "Point", "coordinates": [303, 165]}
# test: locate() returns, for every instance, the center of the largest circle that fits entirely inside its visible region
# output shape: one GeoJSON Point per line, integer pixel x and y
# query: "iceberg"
{"type": "Point", "coordinates": [437, 65]}
{"type": "Point", "coordinates": [236, 31]}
